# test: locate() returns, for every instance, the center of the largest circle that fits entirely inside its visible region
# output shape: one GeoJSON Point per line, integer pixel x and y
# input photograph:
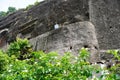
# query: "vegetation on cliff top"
{"type": "Point", "coordinates": [13, 9]}
{"type": "Point", "coordinates": [10, 10]}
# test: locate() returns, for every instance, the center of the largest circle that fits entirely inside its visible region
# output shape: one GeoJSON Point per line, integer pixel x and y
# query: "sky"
{"type": "Point", "coordinates": [4, 4]}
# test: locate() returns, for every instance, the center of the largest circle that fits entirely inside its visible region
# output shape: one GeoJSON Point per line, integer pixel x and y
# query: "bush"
{"type": "Point", "coordinates": [31, 5]}
{"type": "Point", "coordinates": [4, 60]}
{"type": "Point", "coordinates": [11, 10]}
{"type": "Point", "coordinates": [2, 14]}
{"type": "Point", "coordinates": [115, 69]}
{"type": "Point", "coordinates": [21, 49]}
{"type": "Point", "coordinates": [51, 66]}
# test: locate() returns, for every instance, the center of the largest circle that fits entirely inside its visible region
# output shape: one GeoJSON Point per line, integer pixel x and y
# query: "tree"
{"type": "Point", "coordinates": [2, 14]}
{"type": "Point", "coordinates": [29, 6]}
{"type": "Point", "coordinates": [11, 10]}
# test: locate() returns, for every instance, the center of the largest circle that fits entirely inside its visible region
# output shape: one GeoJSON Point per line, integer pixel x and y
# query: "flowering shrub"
{"type": "Point", "coordinates": [51, 66]}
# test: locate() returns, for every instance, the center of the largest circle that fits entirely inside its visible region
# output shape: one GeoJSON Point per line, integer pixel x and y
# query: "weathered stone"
{"type": "Point", "coordinates": [105, 15]}
{"type": "Point", "coordinates": [69, 38]}
{"type": "Point", "coordinates": [41, 18]}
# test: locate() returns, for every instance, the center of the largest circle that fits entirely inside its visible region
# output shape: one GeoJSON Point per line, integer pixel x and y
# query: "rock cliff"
{"type": "Point", "coordinates": [92, 24]}
{"type": "Point", "coordinates": [105, 15]}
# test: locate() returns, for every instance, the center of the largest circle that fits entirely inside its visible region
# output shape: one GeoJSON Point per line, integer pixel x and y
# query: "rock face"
{"type": "Point", "coordinates": [42, 17]}
{"type": "Point", "coordinates": [105, 15]}
{"type": "Point", "coordinates": [74, 18]}
{"type": "Point", "coordinates": [69, 38]}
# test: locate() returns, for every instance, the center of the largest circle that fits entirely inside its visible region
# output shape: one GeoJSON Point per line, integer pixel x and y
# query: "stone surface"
{"type": "Point", "coordinates": [69, 38]}
{"type": "Point", "coordinates": [41, 18]}
{"type": "Point", "coordinates": [105, 15]}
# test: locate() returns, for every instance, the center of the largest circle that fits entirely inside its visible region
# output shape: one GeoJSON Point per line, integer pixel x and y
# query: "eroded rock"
{"type": "Point", "coordinates": [41, 18]}
{"type": "Point", "coordinates": [105, 15]}
{"type": "Point", "coordinates": [69, 38]}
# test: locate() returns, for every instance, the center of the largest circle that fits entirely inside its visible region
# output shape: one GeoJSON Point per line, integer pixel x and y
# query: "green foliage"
{"type": "Point", "coordinates": [36, 3]}
{"type": "Point", "coordinates": [11, 10]}
{"type": "Point", "coordinates": [31, 5]}
{"type": "Point", "coordinates": [115, 69]}
{"type": "Point", "coordinates": [21, 49]}
{"type": "Point", "coordinates": [116, 54]}
{"type": "Point", "coordinates": [2, 14]}
{"type": "Point", "coordinates": [51, 66]}
{"type": "Point", "coordinates": [4, 60]}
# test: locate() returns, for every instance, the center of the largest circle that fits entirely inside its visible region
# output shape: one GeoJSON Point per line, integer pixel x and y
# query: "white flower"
{"type": "Point", "coordinates": [11, 65]}
{"type": "Point", "coordinates": [35, 62]}
{"type": "Point", "coordinates": [25, 70]}
{"type": "Point", "coordinates": [9, 70]}
{"type": "Point", "coordinates": [65, 72]}
{"type": "Point", "coordinates": [58, 63]}
{"type": "Point", "coordinates": [49, 70]}
{"type": "Point", "coordinates": [76, 58]}
{"type": "Point", "coordinates": [55, 57]}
